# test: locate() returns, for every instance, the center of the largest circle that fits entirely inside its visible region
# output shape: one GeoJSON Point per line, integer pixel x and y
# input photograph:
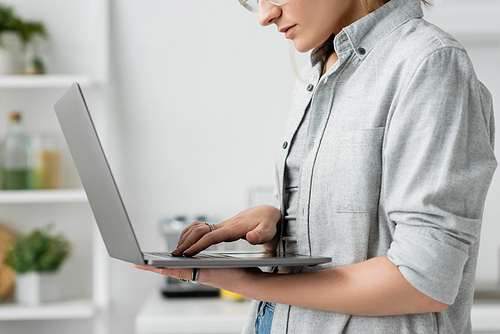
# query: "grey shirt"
{"type": "Point", "coordinates": [292, 174]}
{"type": "Point", "coordinates": [397, 162]}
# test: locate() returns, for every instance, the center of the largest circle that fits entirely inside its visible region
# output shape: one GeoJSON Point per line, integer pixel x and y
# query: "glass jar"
{"type": "Point", "coordinates": [48, 162]}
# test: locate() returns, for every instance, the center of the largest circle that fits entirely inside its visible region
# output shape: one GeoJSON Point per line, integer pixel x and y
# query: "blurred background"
{"type": "Point", "coordinates": [190, 99]}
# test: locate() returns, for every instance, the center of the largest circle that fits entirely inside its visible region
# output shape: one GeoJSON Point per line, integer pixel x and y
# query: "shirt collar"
{"type": "Point", "coordinates": [365, 33]}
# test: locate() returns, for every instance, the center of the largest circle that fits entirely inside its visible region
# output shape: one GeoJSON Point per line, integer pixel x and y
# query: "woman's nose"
{"type": "Point", "coordinates": [268, 13]}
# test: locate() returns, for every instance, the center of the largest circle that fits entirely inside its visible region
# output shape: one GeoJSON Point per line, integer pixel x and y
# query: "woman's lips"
{"type": "Point", "coordinates": [289, 31]}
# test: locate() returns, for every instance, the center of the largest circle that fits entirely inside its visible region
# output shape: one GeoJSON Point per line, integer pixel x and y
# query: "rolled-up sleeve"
{"type": "Point", "coordinates": [438, 162]}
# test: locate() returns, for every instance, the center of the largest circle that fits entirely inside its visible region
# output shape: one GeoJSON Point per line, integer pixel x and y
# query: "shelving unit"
{"type": "Point", "coordinates": [24, 209]}
{"type": "Point", "coordinates": [78, 44]}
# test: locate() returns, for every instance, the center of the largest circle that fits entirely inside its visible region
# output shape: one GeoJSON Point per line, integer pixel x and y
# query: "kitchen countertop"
{"type": "Point", "coordinates": [161, 315]}
{"type": "Point", "coordinates": [210, 315]}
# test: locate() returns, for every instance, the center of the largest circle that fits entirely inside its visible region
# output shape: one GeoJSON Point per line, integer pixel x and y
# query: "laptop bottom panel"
{"type": "Point", "coordinates": [232, 260]}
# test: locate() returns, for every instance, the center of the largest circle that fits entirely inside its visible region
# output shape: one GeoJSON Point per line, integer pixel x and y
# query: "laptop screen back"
{"type": "Point", "coordinates": [96, 177]}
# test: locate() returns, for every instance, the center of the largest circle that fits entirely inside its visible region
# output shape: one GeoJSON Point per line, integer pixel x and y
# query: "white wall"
{"type": "Point", "coordinates": [200, 97]}
{"type": "Point", "coordinates": [477, 27]}
{"type": "Point", "coordinates": [485, 57]}
{"type": "Point", "coordinates": [201, 93]}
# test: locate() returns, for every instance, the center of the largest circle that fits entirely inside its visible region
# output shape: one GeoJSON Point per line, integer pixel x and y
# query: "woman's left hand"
{"type": "Point", "coordinates": [231, 279]}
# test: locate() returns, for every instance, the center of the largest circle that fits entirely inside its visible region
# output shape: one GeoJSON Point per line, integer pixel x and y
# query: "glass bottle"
{"type": "Point", "coordinates": [16, 164]}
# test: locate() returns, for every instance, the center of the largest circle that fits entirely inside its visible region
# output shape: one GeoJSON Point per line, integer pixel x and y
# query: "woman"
{"type": "Point", "coordinates": [384, 166]}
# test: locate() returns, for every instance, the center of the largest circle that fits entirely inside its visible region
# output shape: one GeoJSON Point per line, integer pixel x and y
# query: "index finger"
{"type": "Point", "coordinates": [189, 230]}
{"type": "Point", "coordinates": [205, 241]}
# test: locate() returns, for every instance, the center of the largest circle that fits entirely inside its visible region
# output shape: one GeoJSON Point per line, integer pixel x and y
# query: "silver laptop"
{"type": "Point", "coordinates": [109, 210]}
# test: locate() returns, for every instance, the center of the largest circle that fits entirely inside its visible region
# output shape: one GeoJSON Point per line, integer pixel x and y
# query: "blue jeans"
{"type": "Point", "coordinates": [264, 318]}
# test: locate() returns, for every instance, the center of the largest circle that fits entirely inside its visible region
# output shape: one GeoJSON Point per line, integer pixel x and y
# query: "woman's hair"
{"type": "Point", "coordinates": [322, 52]}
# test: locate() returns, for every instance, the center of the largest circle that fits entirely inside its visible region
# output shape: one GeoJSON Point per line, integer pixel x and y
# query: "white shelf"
{"type": "Point", "coordinates": [44, 81]}
{"type": "Point", "coordinates": [43, 196]}
{"type": "Point", "coordinates": [64, 310]}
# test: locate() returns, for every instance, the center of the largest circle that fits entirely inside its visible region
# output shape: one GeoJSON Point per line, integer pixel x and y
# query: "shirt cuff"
{"type": "Point", "coordinates": [430, 260]}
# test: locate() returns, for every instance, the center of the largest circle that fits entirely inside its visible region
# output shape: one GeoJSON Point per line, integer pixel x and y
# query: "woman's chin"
{"type": "Point", "coordinates": [300, 47]}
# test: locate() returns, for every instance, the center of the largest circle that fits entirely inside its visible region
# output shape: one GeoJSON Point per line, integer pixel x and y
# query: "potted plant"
{"type": "Point", "coordinates": [10, 41]}
{"type": "Point", "coordinates": [36, 259]}
{"type": "Point", "coordinates": [16, 34]}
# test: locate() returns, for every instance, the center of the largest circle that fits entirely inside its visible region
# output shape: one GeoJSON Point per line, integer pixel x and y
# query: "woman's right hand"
{"type": "Point", "coordinates": [258, 225]}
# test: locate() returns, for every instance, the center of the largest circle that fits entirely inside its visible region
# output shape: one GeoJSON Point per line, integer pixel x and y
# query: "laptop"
{"type": "Point", "coordinates": [109, 210]}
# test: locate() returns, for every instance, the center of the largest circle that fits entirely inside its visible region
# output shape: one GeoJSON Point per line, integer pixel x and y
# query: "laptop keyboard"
{"type": "Point", "coordinates": [197, 256]}
{"type": "Point", "coordinates": [162, 254]}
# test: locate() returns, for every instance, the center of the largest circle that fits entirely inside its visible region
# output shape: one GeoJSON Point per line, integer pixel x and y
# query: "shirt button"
{"type": "Point", "coordinates": [285, 145]}
{"type": "Point", "coordinates": [361, 51]}
{"type": "Point", "coordinates": [310, 87]}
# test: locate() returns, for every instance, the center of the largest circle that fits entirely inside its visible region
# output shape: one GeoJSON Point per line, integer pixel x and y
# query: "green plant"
{"type": "Point", "coordinates": [10, 21]}
{"type": "Point", "coordinates": [29, 30]}
{"type": "Point", "coordinates": [38, 251]}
